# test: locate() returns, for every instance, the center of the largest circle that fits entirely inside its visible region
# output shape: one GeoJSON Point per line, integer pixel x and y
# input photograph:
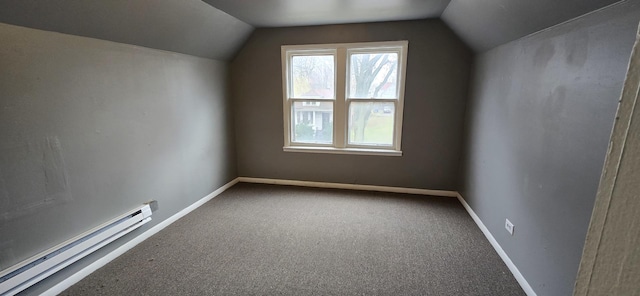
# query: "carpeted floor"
{"type": "Point", "coordinates": [280, 240]}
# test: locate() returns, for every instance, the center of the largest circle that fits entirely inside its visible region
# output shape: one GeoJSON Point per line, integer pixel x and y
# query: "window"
{"type": "Point", "coordinates": [344, 98]}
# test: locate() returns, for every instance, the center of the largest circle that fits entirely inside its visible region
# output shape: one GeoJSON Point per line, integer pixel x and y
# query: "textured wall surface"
{"type": "Point", "coordinates": [436, 92]}
{"type": "Point", "coordinates": [90, 129]}
{"type": "Point", "coordinates": [611, 260]}
{"type": "Point", "coordinates": [539, 120]}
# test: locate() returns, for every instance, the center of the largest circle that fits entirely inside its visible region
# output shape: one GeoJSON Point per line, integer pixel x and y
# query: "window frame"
{"type": "Point", "coordinates": [341, 100]}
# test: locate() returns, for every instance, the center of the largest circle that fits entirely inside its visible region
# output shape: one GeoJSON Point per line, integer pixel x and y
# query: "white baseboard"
{"type": "Point", "coordinates": [70, 281]}
{"type": "Point", "coordinates": [73, 279]}
{"type": "Point", "coordinates": [444, 193]}
{"type": "Point", "coordinates": [512, 267]}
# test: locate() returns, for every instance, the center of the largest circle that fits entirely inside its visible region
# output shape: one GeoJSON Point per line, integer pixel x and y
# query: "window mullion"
{"type": "Point", "coordinates": [340, 107]}
{"type": "Point", "coordinates": [286, 109]}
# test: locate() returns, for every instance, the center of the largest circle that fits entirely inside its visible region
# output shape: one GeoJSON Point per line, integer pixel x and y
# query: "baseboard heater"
{"type": "Point", "coordinates": [37, 268]}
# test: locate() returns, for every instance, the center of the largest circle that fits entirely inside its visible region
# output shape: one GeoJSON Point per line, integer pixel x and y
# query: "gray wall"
{"type": "Point", "coordinates": [539, 119]}
{"type": "Point", "coordinates": [91, 128]}
{"type": "Point", "coordinates": [436, 93]}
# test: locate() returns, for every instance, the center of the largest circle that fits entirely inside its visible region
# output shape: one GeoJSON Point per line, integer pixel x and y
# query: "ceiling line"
{"type": "Point", "coordinates": [568, 21]}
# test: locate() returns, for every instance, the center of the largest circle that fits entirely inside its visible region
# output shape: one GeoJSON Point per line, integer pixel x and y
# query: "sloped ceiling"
{"type": "Point", "coordinates": [185, 26]}
{"type": "Point", "coordinates": [482, 24]}
{"type": "Point", "coordinates": [217, 28]}
{"type": "Point", "coordinates": [288, 13]}
{"type": "Point", "coordinates": [485, 24]}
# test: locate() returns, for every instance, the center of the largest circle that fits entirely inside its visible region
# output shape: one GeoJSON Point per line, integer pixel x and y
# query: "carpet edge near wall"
{"type": "Point", "coordinates": [494, 243]}
{"type": "Point", "coordinates": [78, 276]}
{"type": "Point", "coordinates": [362, 187]}
{"type": "Point", "coordinates": [75, 278]}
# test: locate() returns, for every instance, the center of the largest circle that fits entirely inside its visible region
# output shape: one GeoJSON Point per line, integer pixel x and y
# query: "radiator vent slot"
{"type": "Point", "coordinates": [27, 273]}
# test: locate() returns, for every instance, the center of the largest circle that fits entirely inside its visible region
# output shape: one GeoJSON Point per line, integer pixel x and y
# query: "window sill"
{"type": "Point", "coordinates": [332, 150]}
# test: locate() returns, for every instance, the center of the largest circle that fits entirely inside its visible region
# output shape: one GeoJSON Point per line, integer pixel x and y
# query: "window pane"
{"type": "Point", "coordinates": [371, 123]}
{"type": "Point", "coordinates": [373, 75]}
{"type": "Point", "coordinates": [312, 76]}
{"type": "Point", "coordinates": [312, 122]}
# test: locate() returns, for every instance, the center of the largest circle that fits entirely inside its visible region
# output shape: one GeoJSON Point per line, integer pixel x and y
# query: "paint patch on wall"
{"type": "Point", "coordinates": [543, 54]}
{"type": "Point", "coordinates": [578, 49]}
{"type": "Point", "coordinates": [33, 177]}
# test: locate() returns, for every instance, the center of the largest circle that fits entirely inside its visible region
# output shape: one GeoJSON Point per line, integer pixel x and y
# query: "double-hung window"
{"type": "Point", "coordinates": [344, 98]}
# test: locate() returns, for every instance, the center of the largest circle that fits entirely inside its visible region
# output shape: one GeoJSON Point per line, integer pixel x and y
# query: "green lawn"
{"type": "Point", "coordinates": [379, 129]}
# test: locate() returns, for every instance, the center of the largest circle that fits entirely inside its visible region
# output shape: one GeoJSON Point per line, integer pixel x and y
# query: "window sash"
{"type": "Point", "coordinates": [293, 121]}
{"type": "Point", "coordinates": [341, 101]}
{"type": "Point", "coordinates": [317, 52]}
{"type": "Point", "coordinates": [372, 145]}
{"type": "Point", "coordinates": [382, 50]}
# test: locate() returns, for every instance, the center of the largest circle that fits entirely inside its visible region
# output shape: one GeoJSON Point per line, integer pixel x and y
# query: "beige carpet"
{"type": "Point", "coordinates": [280, 240]}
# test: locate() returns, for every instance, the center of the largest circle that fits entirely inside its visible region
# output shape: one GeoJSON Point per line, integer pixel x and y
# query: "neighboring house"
{"type": "Point", "coordinates": [317, 114]}
{"type": "Point", "coordinates": [314, 113]}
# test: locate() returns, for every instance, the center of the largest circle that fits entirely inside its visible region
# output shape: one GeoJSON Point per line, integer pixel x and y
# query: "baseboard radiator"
{"type": "Point", "coordinates": [37, 268]}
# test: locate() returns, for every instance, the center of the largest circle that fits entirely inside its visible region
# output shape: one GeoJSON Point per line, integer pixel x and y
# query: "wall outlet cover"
{"type": "Point", "coordinates": [508, 226]}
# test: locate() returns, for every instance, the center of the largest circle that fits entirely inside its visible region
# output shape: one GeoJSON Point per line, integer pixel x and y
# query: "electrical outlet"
{"type": "Point", "coordinates": [509, 226]}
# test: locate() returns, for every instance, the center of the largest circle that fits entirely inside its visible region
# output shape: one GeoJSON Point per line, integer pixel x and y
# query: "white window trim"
{"type": "Point", "coordinates": [341, 52]}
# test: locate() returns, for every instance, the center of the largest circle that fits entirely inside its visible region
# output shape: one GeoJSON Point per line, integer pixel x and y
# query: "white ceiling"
{"type": "Point", "coordinates": [482, 24]}
{"type": "Point", "coordinates": [485, 24]}
{"type": "Point", "coordinates": [185, 26]}
{"type": "Point", "coordinates": [288, 13]}
{"type": "Point", "coordinates": [217, 28]}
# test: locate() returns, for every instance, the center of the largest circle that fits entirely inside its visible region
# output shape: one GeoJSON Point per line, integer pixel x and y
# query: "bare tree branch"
{"type": "Point", "coordinates": [382, 64]}
{"type": "Point", "coordinates": [386, 77]}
